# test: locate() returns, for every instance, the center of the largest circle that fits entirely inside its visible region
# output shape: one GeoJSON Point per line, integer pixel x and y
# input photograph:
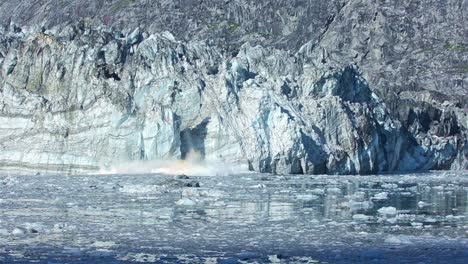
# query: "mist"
{"type": "Point", "coordinates": [192, 165]}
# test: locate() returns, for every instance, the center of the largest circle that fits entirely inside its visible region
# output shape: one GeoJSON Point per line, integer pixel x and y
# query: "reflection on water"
{"type": "Point", "coordinates": [127, 217]}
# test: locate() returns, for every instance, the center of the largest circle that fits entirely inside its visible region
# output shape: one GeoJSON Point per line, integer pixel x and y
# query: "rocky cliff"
{"type": "Point", "coordinates": [313, 87]}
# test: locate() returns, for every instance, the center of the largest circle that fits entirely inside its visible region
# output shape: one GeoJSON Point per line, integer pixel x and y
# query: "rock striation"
{"type": "Point", "coordinates": [328, 87]}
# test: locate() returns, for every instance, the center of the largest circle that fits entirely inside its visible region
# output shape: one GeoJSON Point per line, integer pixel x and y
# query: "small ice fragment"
{"type": "Point", "coordinates": [274, 259]}
{"type": "Point", "coordinates": [307, 197]}
{"type": "Point", "coordinates": [138, 189]}
{"type": "Point", "coordinates": [389, 186]}
{"type": "Point", "coordinates": [361, 217]}
{"type": "Point", "coordinates": [388, 211]}
{"type": "Point", "coordinates": [318, 191]}
{"type": "Point", "coordinates": [3, 232]}
{"type": "Point", "coordinates": [18, 231]}
{"type": "Point", "coordinates": [259, 186]}
{"type": "Point", "coordinates": [422, 204]}
{"type": "Point", "coordinates": [358, 196]}
{"type": "Point", "coordinates": [104, 244]}
{"type": "Point", "coordinates": [397, 240]}
{"type": "Point", "coordinates": [354, 205]}
{"type": "Point", "coordinates": [35, 228]}
{"type": "Point", "coordinates": [455, 217]}
{"type": "Point", "coordinates": [314, 221]}
{"type": "Point", "coordinates": [381, 196]}
{"type": "Point", "coordinates": [333, 190]}
{"type": "Point", "coordinates": [181, 177]}
{"type": "Point", "coordinates": [406, 217]}
{"type": "Point", "coordinates": [190, 192]}
{"type": "Point", "coordinates": [72, 251]}
{"type": "Point", "coordinates": [219, 203]}
{"type": "Point", "coordinates": [186, 201]}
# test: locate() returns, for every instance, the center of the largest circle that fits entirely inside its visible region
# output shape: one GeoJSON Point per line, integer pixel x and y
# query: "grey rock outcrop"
{"type": "Point", "coordinates": [353, 90]}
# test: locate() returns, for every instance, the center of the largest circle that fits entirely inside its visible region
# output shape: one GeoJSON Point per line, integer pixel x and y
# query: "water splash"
{"type": "Point", "coordinates": [192, 165]}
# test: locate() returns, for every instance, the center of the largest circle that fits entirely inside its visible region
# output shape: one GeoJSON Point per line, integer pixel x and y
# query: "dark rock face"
{"type": "Point", "coordinates": [228, 23]}
{"type": "Point", "coordinates": [316, 87]}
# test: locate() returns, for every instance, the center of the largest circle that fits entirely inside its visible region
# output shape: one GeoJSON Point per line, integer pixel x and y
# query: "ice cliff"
{"type": "Point", "coordinates": [326, 87]}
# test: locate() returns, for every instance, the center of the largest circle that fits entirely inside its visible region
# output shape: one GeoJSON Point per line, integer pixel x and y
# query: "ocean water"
{"type": "Point", "coordinates": [245, 218]}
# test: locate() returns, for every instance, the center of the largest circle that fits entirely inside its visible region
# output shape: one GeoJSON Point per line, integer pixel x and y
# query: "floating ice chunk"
{"type": "Point", "coordinates": [18, 231]}
{"type": "Point", "coordinates": [190, 192]}
{"type": "Point", "coordinates": [389, 186]}
{"type": "Point", "coordinates": [139, 188]}
{"type": "Point", "coordinates": [61, 227]}
{"type": "Point", "coordinates": [381, 196]}
{"type": "Point", "coordinates": [361, 217]}
{"type": "Point", "coordinates": [31, 228]}
{"type": "Point", "coordinates": [193, 192]}
{"type": "Point", "coordinates": [455, 217]}
{"type": "Point", "coordinates": [354, 205]}
{"type": "Point", "coordinates": [388, 211]}
{"type": "Point", "coordinates": [274, 259]}
{"type": "Point", "coordinates": [406, 217]}
{"type": "Point", "coordinates": [104, 244]}
{"type": "Point", "coordinates": [186, 201]}
{"type": "Point", "coordinates": [318, 191]}
{"type": "Point", "coordinates": [35, 228]}
{"type": "Point", "coordinates": [363, 233]}
{"type": "Point", "coordinates": [259, 186]}
{"type": "Point", "coordinates": [3, 232]}
{"type": "Point", "coordinates": [219, 203]}
{"type": "Point", "coordinates": [422, 204]}
{"type": "Point", "coordinates": [307, 197]}
{"type": "Point", "coordinates": [72, 251]}
{"type": "Point", "coordinates": [398, 240]}
{"type": "Point", "coordinates": [333, 190]}
{"type": "Point", "coordinates": [139, 257]}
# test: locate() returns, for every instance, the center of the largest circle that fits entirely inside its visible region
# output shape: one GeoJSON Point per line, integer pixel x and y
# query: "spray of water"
{"type": "Point", "coordinates": [193, 162]}
{"type": "Point", "coordinates": [192, 165]}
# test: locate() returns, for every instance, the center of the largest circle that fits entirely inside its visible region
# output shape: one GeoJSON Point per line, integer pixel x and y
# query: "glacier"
{"type": "Point", "coordinates": [79, 98]}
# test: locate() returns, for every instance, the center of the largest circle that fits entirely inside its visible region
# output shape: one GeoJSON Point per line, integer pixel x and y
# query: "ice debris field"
{"type": "Point", "coordinates": [244, 218]}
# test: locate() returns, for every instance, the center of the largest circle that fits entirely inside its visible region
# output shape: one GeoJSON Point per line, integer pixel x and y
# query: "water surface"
{"type": "Point", "coordinates": [249, 217]}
